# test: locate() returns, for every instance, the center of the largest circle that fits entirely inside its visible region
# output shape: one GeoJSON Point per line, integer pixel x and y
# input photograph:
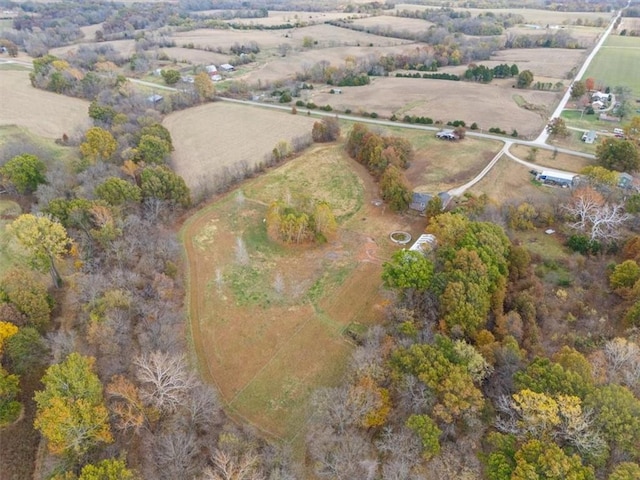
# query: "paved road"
{"type": "Point", "coordinates": [544, 135]}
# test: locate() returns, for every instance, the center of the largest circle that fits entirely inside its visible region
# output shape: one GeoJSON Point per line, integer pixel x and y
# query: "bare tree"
{"type": "Point", "coordinates": [594, 217]}
{"type": "Point", "coordinates": [177, 454]}
{"type": "Point", "coordinates": [165, 378]}
{"type": "Point", "coordinates": [229, 467]}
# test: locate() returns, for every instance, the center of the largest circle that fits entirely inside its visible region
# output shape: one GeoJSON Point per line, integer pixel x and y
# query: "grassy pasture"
{"type": "Point", "coordinates": [282, 17]}
{"type": "Point", "coordinates": [195, 56]}
{"type": "Point", "coordinates": [44, 113]}
{"type": "Point", "coordinates": [270, 330]}
{"type": "Point", "coordinates": [126, 48]}
{"type": "Point", "coordinates": [220, 135]}
{"type": "Point", "coordinates": [617, 63]}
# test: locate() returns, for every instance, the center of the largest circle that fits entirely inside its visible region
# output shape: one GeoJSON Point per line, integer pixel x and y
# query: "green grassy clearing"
{"type": "Point", "coordinates": [267, 339]}
{"type": "Point", "coordinates": [617, 64]}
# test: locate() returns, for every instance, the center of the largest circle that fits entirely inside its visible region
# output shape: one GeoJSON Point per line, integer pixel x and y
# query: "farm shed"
{"type": "Point", "coordinates": [227, 67]}
{"type": "Point", "coordinates": [155, 98]}
{"type": "Point", "coordinates": [211, 69]}
{"type": "Point", "coordinates": [557, 178]}
{"type": "Point", "coordinates": [589, 137]}
{"type": "Point", "coordinates": [625, 180]}
{"type": "Point", "coordinates": [419, 201]}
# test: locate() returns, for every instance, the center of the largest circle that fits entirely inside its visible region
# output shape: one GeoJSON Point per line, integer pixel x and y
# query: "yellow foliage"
{"type": "Point", "coordinates": [538, 411]}
{"type": "Point", "coordinates": [7, 330]}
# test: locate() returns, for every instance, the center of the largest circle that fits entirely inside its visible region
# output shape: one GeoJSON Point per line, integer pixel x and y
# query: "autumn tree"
{"type": "Point", "coordinates": [28, 295]}
{"type": "Point", "coordinates": [161, 183]}
{"type": "Point", "coordinates": [9, 390]}
{"type": "Point", "coordinates": [300, 220]}
{"type": "Point", "coordinates": [558, 127]}
{"type": "Point", "coordinates": [395, 189]}
{"type": "Point", "coordinates": [578, 89]}
{"type": "Point", "coordinates": [171, 77]}
{"type": "Point", "coordinates": [327, 130]}
{"type": "Point", "coordinates": [152, 149]}
{"type": "Point", "coordinates": [99, 145]}
{"type": "Point", "coordinates": [71, 413]}
{"type": "Point", "coordinates": [428, 433]}
{"type": "Point", "coordinates": [632, 130]}
{"type": "Point", "coordinates": [590, 84]}
{"type": "Point", "coordinates": [525, 78]}
{"type": "Point", "coordinates": [599, 177]}
{"type": "Point", "coordinates": [45, 240]}
{"type": "Point", "coordinates": [205, 88]}
{"type": "Point", "coordinates": [625, 471]}
{"type": "Point", "coordinates": [116, 191]}
{"type": "Point", "coordinates": [618, 154]}
{"type": "Point", "coordinates": [407, 270]}
{"type": "Point", "coordinates": [25, 172]}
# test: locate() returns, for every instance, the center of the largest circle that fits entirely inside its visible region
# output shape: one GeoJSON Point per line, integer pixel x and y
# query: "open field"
{"type": "Point", "coordinates": [211, 138]}
{"type": "Point", "coordinates": [394, 24]}
{"type": "Point", "coordinates": [617, 63]}
{"type": "Point", "coordinates": [554, 63]}
{"type": "Point", "coordinates": [282, 17]}
{"type": "Point", "coordinates": [547, 158]}
{"type": "Point", "coordinates": [542, 17]}
{"type": "Point", "coordinates": [325, 35]}
{"type": "Point", "coordinates": [509, 182]}
{"type": "Point", "coordinates": [491, 105]}
{"type": "Point", "coordinates": [126, 48]}
{"type": "Point", "coordinates": [44, 113]}
{"type": "Point", "coordinates": [195, 56]}
{"type": "Point", "coordinates": [269, 330]}
{"type": "Point", "coordinates": [585, 36]}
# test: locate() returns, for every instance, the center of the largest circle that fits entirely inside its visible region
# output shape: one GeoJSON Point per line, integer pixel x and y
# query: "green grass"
{"type": "Point", "coordinates": [617, 64]}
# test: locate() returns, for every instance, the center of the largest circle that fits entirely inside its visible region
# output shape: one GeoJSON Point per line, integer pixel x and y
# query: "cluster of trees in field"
{"type": "Point", "coordinates": [483, 24]}
{"type": "Point", "coordinates": [484, 74]}
{"type": "Point", "coordinates": [300, 220]}
{"type": "Point", "coordinates": [463, 382]}
{"type": "Point", "coordinates": [385, 157]}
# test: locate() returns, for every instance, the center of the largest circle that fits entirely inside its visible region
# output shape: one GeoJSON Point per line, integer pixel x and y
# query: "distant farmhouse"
{"type": "Point", "coordinates": [589, 137]}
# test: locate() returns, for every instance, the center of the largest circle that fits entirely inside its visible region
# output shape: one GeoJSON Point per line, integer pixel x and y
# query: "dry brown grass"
{"type": "Point", "coordinates": [547, 158]}
{"type": "Point", "coordinates": [491, 105]}
{"type": "Point", "coordinates": [211, 137]}
{"type": "Point", "coordinates": [126, 48]}
{"type": "Point", "coordinates": [195, 56]}
{"type": "Point", "coordinates": [510, 182]}
{"type": "Point", "coordinates": [44, 113]}
{"type": "Point", "coordinates": [293, 17]}
{"type": "Point", "coordinates": [394, 24]}
{"type": "Point", "coordinates": [549, 62]}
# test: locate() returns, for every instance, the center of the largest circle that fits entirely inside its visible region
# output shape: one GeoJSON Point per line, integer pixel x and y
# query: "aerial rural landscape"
{"type": "Point", "coordinates": [320, 239]}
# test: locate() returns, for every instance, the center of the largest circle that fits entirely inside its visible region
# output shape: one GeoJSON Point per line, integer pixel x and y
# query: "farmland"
{"type": "Point", "coordinates": [618, 64]}
{"type": "Point", "coordinates": [43, 113]}
{"type": "Point", "coordinates": [218, 136]}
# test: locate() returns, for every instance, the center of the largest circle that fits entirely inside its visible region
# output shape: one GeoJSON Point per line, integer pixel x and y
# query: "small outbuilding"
{"type": "Point", "coordinates": [155, 98]}
{"type": "Point", "coordinates": [227, 67]}
{"type": "Point", "coordinates": [551, 177]}
{"type": "Point", "coordinates": [419, 202]}
{"type": "Point", "coordinates": [625, 180]}
{"type": "Point", "coordinates": [589, 137]}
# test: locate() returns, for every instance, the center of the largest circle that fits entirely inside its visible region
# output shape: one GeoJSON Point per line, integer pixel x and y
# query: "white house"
{"type": "Point", "coordinates": [211, 69]}
{"type": "Point", "coordinates": [603, 97]}
{"type": "Point", "coordinates": [597, 105]}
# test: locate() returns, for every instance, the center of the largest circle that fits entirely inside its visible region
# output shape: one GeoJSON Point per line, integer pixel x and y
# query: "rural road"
{"type": "Point", "coordinates": [544, 135]}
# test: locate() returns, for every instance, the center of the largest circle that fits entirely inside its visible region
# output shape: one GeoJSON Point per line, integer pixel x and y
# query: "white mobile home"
{"type": "Point", "coordinates": [556, 178]}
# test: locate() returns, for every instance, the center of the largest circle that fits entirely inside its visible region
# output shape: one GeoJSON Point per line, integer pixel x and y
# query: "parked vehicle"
{"type": "Point", "coordinates": [446, 135]}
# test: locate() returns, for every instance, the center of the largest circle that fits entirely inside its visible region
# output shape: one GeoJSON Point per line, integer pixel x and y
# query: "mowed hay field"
{"type": "Point", "coordinates": [392, 23]}
{"type": "Point", "coordinates": [268, 320]}
{"type": "Point", "coordinates": [492, 105]}
{"type": "Point", "coordinates": [44, 113]}
{"type": "Point", "coordinates": [617, 64]}
{"type": "Point", "coordinates": [211, 138]}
